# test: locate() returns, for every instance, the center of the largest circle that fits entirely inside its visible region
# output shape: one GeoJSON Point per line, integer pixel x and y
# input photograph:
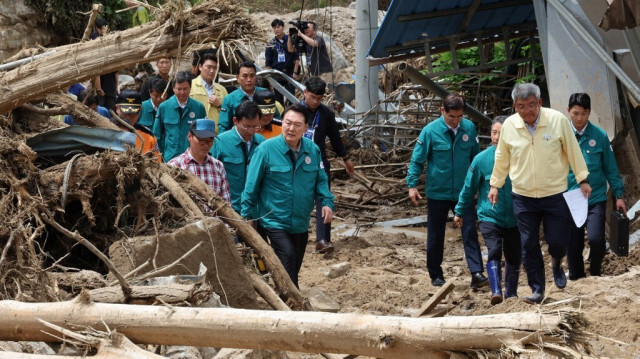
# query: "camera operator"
{"type": "Point", "coordinates": [277, 56]}
{"type": "Point", "coordinates": [318, 61]}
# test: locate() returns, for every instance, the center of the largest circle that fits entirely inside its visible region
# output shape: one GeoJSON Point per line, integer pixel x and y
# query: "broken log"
{"type": "Point", "coordinates": [311, 332]}
{"type": "Point", "coordinates": [82, 115]}
{"type": "Point", "coordinates": [116, 346]}
{"type": "Point", "coordinates": [171, 34]}
{"type": "Point", "coordinates": [181, 196]}
{"type": "Point", "coordinates": [153, 294]}
{"type": "Point", "coordinates": [267, 293]}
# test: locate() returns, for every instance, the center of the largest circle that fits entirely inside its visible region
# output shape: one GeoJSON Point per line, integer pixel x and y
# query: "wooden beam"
{"type": "Point", "coordinates": [433, 302]}
{"type": "Point", "coordinates": [464, 24]}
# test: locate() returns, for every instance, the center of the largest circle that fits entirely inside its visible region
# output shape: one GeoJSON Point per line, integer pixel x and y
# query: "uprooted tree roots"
{"type": "Point", "coordinates": [103, 197]}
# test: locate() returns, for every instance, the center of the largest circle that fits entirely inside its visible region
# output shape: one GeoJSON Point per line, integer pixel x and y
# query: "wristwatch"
{"type": "Point", "coordinates": [586, 180]}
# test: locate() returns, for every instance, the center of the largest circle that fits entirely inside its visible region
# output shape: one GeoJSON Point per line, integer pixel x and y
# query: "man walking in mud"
{"type": "Point", "coordinates": [535, 149]}
{"type": "Point", "coordinates": [447, 145]}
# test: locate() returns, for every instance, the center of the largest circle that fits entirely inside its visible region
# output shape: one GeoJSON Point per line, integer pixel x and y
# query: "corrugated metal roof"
{"type": "Point", "coordinates": [409, 22]}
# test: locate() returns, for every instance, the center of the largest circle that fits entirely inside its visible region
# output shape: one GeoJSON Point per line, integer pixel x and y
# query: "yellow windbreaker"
{"type": "Point", "coordinates": [538, 166]}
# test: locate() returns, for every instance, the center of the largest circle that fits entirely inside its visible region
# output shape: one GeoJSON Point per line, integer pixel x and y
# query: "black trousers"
{"type": "Point", "coordinates": [437, 212]}
{"type": "Point", "coordinates": [499, 239]}
{"type": "Point", "coordinates": [323, 231]}
{"type": "Point", "coordinates": [595, 237]}
{"type": "Point", "coordinates": [553, 212]}
{"type": "Point", "coordinates": [289, 247]}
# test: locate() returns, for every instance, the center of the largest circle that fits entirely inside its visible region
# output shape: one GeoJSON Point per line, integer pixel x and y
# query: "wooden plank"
{"type": "Point", "coordinates": [430, 304]}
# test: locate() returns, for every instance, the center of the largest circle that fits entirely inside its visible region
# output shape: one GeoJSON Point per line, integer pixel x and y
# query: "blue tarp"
{"type": "Point", "coordinates": [74, 139]}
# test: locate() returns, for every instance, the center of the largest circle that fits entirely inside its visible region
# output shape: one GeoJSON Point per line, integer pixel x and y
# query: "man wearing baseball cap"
{"type": "Point", "coordinates": [270, 126]}
{"type": "Point", "coordinates": [128, 105]}
{"type": "Point", "coordinates": [196, 158]}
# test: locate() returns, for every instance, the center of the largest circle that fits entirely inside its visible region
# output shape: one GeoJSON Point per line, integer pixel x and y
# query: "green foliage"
{"type": "Point", "coordinates": [470, 57]}
{"type": "Point", "coordinates": [65, 17]}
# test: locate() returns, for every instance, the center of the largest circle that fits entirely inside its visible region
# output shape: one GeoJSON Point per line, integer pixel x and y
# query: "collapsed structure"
{"type": "Point", "coordinates": [146, 216]}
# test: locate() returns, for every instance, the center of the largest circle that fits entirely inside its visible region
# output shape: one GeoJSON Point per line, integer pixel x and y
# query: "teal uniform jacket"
{"type": "Point", "coordinates": [230, 149]}
{"type": "Point", "coordinates": [171, 129]}
{"type": "Point", "coordinates": [281, 194]}
{"type": "Point", "coordinates": [601, 161]}
{"type": "Point", "coordinates": [478, 177]}
{"type": "Point", "coordinates": [147, 114]}
{"type": "Point", "coordinates": [228, 108]}
{"type": "Point", "coordinates": [447, 161]}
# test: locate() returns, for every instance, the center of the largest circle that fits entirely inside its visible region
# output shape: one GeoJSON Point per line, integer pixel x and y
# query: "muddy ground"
{"type": "Point", "coordinates": [388, 277]}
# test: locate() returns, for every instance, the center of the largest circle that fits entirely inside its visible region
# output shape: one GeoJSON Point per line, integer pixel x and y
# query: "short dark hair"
{"type": "Point", "coordinates": [101, 22]}
{"type": "Point", "coordinates": [182, 76]}
{"type": "Point", "coordinates": [90, 98]}
{"type": "Point", "coordinates": [316, 85]}
{"type": "Point", "coordinates": [249, 64]}
{"type": "Point", "coordinates": [453, 102]}
{"type": "Point", "coordinates": [157, 84]}
{"type": "Point", "coordinates": [208, 56]}
{"type": "Point", "coordinates": [248, 109]}
{"type": "Point", "coordinates": [199, 54]}
{"type": "Point", "coordinates": [498, 119]}
{"type": "Point", "coordinates": [277, 22]}
{"type": "Point", "coordinates": [299, 108]}
{"type": "Point", "coordinates": [580, 99]}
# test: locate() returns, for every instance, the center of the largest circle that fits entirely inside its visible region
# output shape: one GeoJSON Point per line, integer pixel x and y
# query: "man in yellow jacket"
{"type": "Point", "coordinates": [206, 90]}
{"type": "Point", "coordinates": [536, 148]}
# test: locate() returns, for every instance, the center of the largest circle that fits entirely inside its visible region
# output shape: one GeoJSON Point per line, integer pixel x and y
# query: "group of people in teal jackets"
{"type": "Point", "coordinates": [457, 173]}
{"type": "Point", "coordinates": [273, 183]}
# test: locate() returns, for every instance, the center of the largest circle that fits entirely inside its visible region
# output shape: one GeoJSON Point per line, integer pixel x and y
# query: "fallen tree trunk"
{"type": "Point", "coordinates": [211, 21]}
{"type": "Point", "coordinates": [311, 332]}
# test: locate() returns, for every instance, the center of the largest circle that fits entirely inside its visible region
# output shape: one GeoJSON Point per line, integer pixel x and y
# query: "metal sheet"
{"type": "Point", "coordinates": [393, 32]}
{"type": "Point", "coordinates": [579, 69]}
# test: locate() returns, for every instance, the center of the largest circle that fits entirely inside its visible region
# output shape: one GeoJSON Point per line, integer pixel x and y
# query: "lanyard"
{"type": "Point", "coordinates": [278, 45]}
{"type": "Point", "coordinates": [311, 131]}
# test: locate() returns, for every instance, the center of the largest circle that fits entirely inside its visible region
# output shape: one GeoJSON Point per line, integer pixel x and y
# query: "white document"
{"type": "Point", "coordinates": [578, 205]}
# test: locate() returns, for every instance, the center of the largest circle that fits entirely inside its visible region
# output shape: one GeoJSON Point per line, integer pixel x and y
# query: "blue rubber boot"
{"type": "Point", "coordinates": [494, 271]}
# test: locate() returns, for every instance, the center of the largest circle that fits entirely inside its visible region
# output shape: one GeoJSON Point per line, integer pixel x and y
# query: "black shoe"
{"type": "Point", "coordinates": [323, 246]}
{"type": "Point", "coordinates": [511, 277]}
{"type": "Point", "coordinates": [437, 282]}
{"type": "Point", "coordinates": [559, 278]}
{"type": "Point", "coordinates": [534, 298]}
{"type": "Point", "coordinates": [478, 280]}
{"type": "Point", "coordinates": [576, 276]}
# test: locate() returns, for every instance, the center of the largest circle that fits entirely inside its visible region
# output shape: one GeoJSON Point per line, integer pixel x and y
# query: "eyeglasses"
{"type": "Point", "coordinates": [531, 106]}
{"type": "Point", "coordinates": [257, 128]}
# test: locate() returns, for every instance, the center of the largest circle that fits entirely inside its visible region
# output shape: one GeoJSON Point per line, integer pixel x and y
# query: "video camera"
{"type": "Point", "coordinates": [298, 42]}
